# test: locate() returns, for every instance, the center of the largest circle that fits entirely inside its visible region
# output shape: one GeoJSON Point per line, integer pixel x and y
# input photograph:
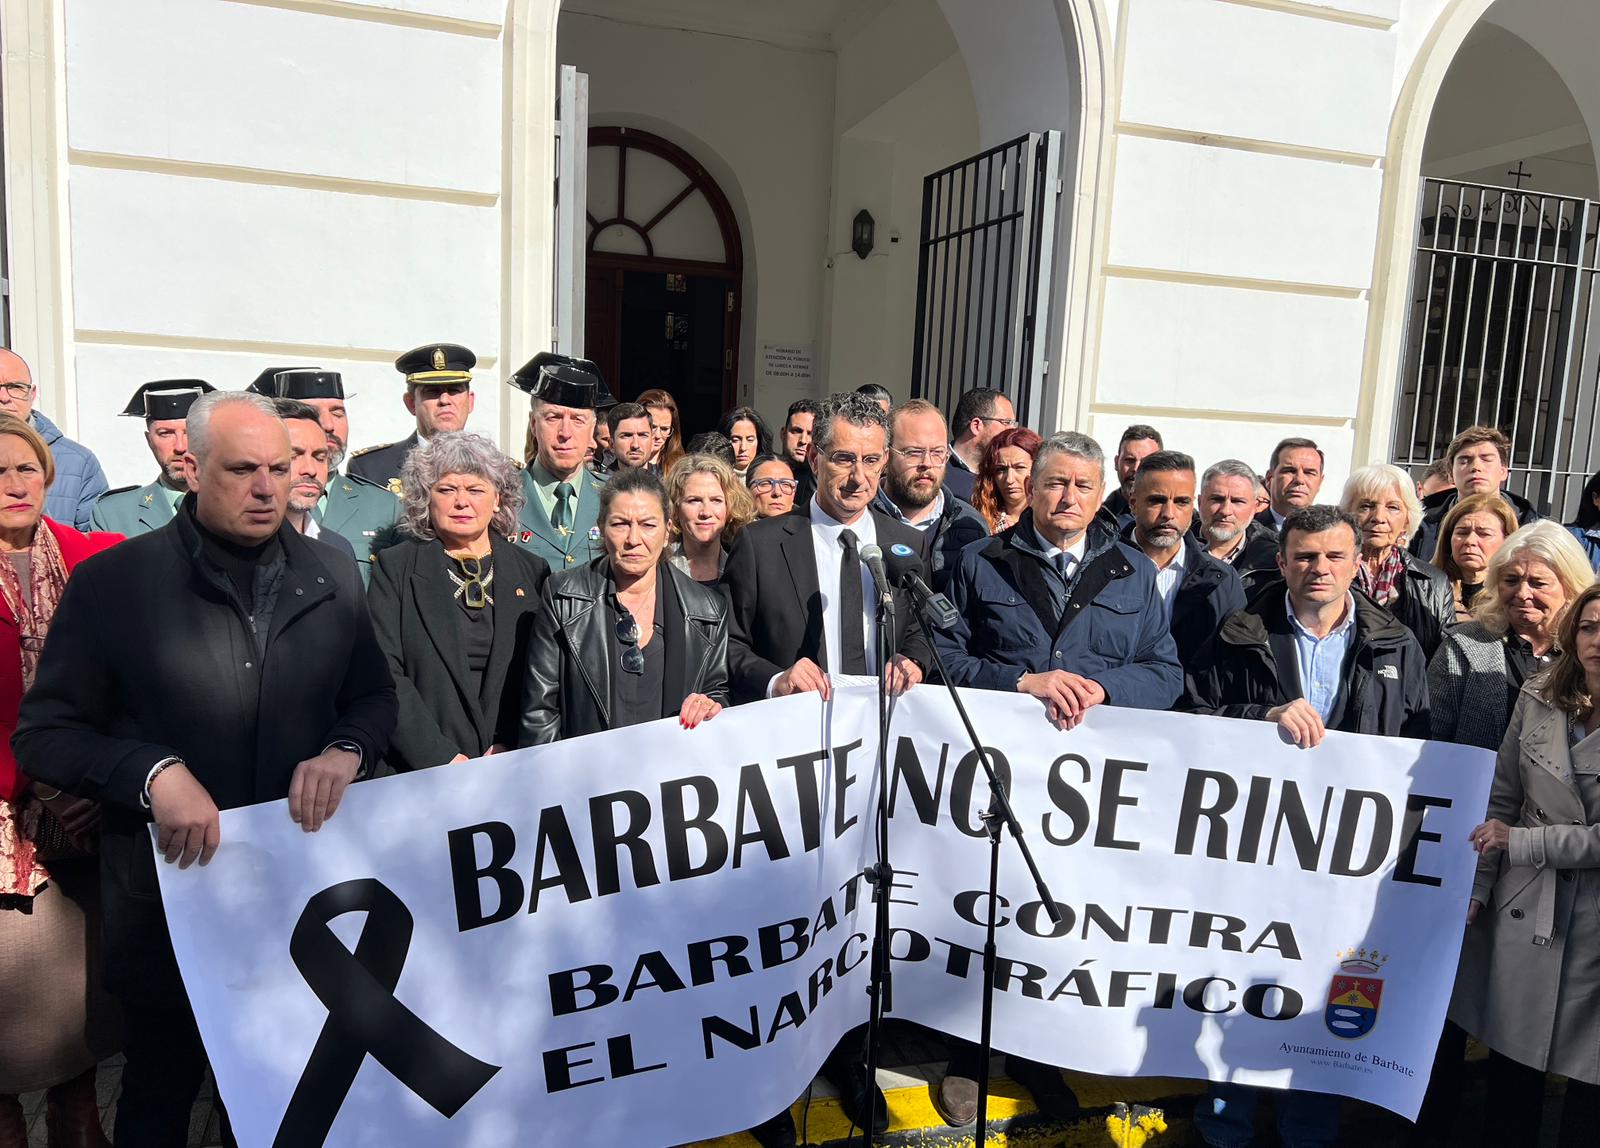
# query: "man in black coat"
{"type": "Point", "coordinates": [914, 492]}
{"type": "Point", "coordinates": [801, 608]}
{"type": "Point", "coordinates": [1480, 462]}
{"type": "Point", "coordinates": [786, 576]}
{"type": "Point", "coordinates": [1227, 526]}
{"type": "Point", "coordinates": [247, 673]}
{"type": "Point", "coordinates": [1311, 658]}
{"type": "Point", "coordinates": [1197, 590]}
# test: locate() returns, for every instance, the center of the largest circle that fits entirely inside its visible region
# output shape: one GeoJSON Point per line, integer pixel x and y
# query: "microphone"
{"type": "Point", "coordinates": [905, 570]}
{"type": "Point", "coordinates": [872, 558]}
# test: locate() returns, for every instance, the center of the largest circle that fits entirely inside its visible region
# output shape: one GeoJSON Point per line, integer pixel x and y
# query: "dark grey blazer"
{"type": "Point", "coordinates": [419, 628]}
{"type": "Point", "coordinates": [573, 649]}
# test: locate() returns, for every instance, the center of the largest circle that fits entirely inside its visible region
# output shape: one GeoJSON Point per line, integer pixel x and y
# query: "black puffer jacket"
{"type": "Point", "coordinates": [1250, 667]}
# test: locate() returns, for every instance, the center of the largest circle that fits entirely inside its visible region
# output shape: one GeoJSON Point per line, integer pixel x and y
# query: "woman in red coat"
{"type": "Point", "coordinates": [56, 1024]}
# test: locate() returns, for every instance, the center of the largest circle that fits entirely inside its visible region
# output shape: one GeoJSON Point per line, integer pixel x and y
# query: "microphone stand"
{"type": "Point", "coordinates": [879, 875]}
{"type": "Point", "coordinates": [997, 817]}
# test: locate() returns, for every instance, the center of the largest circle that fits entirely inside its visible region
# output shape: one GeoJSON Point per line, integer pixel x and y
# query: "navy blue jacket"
{"type": "Point", "coordinates": [957, 527]}
{"type": "Point", "coordinates": [79, 479]}
{"type": "Point", "coordinates": [1589, 538]}
{"type": "Point", "coordinates": [1112, 630]}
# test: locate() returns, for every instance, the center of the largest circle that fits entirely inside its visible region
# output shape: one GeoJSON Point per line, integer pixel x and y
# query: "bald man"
{"type": "Point", "coordinates": [79, 479]}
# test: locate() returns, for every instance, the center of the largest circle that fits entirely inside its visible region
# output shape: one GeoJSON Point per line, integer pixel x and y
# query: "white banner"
{"type": "Point", "coordinates": [595, 937]}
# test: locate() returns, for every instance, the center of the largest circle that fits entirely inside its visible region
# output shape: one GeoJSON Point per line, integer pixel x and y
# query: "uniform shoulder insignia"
{"type": "Point", "coordinates": [370, 449]}
{"type": "Point", "coordinates": [519, 464]}
{"type": "Point", "coordinates": [118, 490]}
{"type": "Point", "coordinates": [395, 486]}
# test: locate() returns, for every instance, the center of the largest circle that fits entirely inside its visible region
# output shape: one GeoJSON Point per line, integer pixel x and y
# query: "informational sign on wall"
{"type": "Point", "coordinates": [789, 364]}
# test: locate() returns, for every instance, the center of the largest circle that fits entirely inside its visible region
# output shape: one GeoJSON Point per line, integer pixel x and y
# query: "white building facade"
{"type": "Point", "coordinates": [202, 188]}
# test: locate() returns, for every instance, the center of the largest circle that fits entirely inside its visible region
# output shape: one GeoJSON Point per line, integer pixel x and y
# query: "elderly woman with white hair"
{"type": "Point", "coordinates": [1383, 500]}
{"type": "Point", "coordinates": [453, 603]}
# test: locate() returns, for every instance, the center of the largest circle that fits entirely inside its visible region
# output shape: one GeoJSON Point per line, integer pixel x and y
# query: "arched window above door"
{"type": "Point", "coordinates": [649, 199]}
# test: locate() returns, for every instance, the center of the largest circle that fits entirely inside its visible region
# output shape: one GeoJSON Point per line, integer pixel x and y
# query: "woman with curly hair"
{"type": "Point", "coordinates": [709, 506]}
{"type": "Point", "coordinates": [453, 603]}
{"type": "Point", "coordinates": [1001, 492]}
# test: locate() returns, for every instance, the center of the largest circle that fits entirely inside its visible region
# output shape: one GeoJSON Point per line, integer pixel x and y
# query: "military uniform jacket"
{"type": "Point", "coordinates": [581, 542]}
{"type": "Point", "coordinates": [380, 465]}
{"type": "Point", "coordinates": [133, 510]}
{"type": "Point", "coordinates": [359, 512]}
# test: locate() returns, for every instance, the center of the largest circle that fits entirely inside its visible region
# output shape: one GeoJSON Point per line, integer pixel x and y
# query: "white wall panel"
{"type": "Point", "coordinates": [483, 11]}
{"type": "Point", "coordinates": [1233, 70]}
{"type": "Point", "coordinates": [1221, 211]}
{"type": "Point", "coordinates": [108, 375]}
{"type": "Point", "coordinates": [1179, 344]}
{"type": "Point", "coordinates": [1209, 440]}
{"type": "Point", "coordinates": [1383, 9]}
{"type": "Point", "coordinates": [262, 87]}
{"type": "Point", "coordinates": [178, 256]}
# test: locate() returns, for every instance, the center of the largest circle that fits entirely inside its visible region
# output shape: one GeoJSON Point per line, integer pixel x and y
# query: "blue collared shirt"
{"type": "Point", "coordinates": [1321, 660]}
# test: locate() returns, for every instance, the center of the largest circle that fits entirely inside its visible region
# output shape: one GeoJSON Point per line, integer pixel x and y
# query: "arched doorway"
{"type": "Point", "coordinates": [1502, 299]}
{"type": "Point", "coordinates": [665, 274]}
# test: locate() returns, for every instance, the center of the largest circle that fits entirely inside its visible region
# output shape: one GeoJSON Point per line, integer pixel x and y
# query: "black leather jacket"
{"type": "Point", "coordinates": [573, 652]}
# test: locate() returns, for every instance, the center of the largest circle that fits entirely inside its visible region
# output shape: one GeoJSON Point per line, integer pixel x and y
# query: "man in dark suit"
{"type": "Point", "coordinates": [799, 592]}
{"type": "Point", "coordinates": [981, 413]}
{"type": "Point", "coordinates": [309, 453]}
{"type": "Point", "coordinates": [438, 395]}
{"type": "Point", "coordinates": [1137, 442]}
{"type": "Point", "coordinates": [1293, 479]}
{"type": "Point", "coordinates": [914, 489]}
{"type": "Point", "coordinates": [248, 672]}
{"type": "Point", "coordinates": [800, 601]}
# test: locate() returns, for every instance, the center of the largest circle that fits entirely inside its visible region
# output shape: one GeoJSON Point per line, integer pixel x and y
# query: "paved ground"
{"type": "Point", "coordinates": [918, 1058]}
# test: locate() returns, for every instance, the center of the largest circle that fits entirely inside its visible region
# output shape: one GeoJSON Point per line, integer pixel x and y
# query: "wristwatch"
{"type": "Point", "coordinates": [361, 757]}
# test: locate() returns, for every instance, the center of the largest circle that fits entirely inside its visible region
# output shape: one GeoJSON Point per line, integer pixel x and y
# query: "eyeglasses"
{"type": "Point", "coordinates": [471, 585]}
{"type": "Point", "coordinates": [924, 456]}
{"type": "Point", "coordinates": [846, 461]}
{"type": "Point", "coordinates": [763, 485]}
{"type": "Point", "coordinates": [1002, 422]}
{"type": "Point", "coordinates": [17, 390]}
{"type": "Point", "coordinates": [628, 635]}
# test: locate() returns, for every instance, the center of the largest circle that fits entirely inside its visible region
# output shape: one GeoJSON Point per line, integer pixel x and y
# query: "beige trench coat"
{"type": "Point", "coordinates": [1530, 966]}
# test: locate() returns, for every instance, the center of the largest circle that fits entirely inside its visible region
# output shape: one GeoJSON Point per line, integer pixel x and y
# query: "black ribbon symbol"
{"type": "Point", "coordinates": [364, 1018]}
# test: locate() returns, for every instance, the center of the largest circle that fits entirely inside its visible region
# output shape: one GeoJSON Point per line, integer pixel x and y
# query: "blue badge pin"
{"type": "Point", "coordinates": [901, 550]}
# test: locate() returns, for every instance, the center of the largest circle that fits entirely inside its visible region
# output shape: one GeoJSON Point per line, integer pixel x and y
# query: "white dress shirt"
{"type": "Point", "coordinates": [1169, 578]}
{"type": "Point", "coordinates": [825, 543]}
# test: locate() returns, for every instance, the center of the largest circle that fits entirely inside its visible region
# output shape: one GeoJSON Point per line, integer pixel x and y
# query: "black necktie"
{"type": "Point", "coordinates": [852, 635]}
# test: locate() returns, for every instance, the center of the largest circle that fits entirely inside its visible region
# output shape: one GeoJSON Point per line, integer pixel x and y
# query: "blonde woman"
{"type": "Point", "coordinates": [708, 507]}
{"type": "Point", "coordinates": [1474, 678]}
{"type": "Point", "coordinates": [1383, 500]}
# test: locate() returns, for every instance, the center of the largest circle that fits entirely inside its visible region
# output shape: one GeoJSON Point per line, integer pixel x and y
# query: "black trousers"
{"type": "Point", "coordinates": [1515, 1103]}
{"type": "Point", "coordinates": [166, 1064]}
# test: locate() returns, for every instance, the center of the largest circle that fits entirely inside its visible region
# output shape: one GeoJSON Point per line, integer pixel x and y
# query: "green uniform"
{"type": "Point", "coordinates": [577, 543]}
{"type": "Point", "coordinates": [360, 511]}
{"type": "Point", "coordinates": [134, 510]}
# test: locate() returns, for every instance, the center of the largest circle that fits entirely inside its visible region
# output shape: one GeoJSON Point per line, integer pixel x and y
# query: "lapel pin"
{"type": "Point", "coordinates": [520, 594]}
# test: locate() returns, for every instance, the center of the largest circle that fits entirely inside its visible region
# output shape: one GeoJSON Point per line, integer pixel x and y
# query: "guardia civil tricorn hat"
{"type": "Point", "coordinates": [564, 382]}
{"type": "Point", "coordinates": [298, 383]}
{"type": "Point", "coordinates": [166, 399]}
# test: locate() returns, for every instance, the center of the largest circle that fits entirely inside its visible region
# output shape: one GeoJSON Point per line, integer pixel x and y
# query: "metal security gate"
{"type": "Point", "coordinates": [984, 273]}
{"type": "Point", "coordinates": [1499, 333]}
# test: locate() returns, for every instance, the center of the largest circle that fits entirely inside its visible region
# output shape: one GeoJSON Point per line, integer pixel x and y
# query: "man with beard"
{"type": "Point", "coordinates": [1138, 442]}
{"type": "Point", "coordinates": [308, 473]}
{"type": "Point", "coordinates": [1197, 590]}
{"type": "Point", "coordinates": [351, 506]}
{"type": "Point", "coordinates": [164, 406]}
{"type": "Point", "coordinates": [913, 488]}
{"type": "Point", "coordinates": [796, 445]}
{"type": "Point", "coordinates": [1228, 524]}
{"type": "Point", "coordinates": [1294, 476]}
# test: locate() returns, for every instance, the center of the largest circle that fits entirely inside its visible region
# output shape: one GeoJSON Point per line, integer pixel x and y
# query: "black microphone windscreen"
{"type": "Point", "coordinates": [901, 560]}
